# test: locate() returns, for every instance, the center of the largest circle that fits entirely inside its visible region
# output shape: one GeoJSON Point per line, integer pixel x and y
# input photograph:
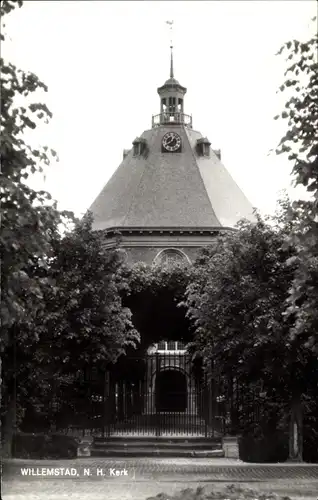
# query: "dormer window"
{"type": "Point", "coordinates": [217, 152]}
{"type": "Point", "coordinates": [140, 146]}
{"type": "Point", "coordinates": [206, 149]}
{"type": "Point", "coordinates": [203, 147]}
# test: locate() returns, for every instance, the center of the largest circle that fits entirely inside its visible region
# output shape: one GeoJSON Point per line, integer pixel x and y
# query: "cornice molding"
{"type": "Point", "coordinates": [185, 231]}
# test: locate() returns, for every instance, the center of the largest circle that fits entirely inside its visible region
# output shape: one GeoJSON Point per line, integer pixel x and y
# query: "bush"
{"type": "Point", "coordinates": [228, 493]}
{"type": "Point", "coordinates": [270, 448]}
{"type": "Point", "coordinates": [310, 453]}
{"type": "Point", "coordinates": [39, 446]}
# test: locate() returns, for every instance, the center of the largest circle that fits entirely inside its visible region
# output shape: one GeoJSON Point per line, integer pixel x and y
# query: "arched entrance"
{"type": "Point", "coordinates": [171, 391]}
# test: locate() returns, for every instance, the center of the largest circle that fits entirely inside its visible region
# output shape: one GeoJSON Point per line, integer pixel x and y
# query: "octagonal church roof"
{"type": "Point", "coordinates": [158, 187]}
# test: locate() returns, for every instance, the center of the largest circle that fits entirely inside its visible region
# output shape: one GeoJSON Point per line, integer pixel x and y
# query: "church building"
{"type": "Point", "coordinates": [170, 196]}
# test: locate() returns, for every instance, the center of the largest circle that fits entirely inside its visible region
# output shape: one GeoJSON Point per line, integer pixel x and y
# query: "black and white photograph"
{"type": "Point", "coordinates": [159, 250]}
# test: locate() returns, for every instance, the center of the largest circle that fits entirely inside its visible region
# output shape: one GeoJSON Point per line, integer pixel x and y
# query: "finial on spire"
{"type": "Point", "coordinates": [170, 24]}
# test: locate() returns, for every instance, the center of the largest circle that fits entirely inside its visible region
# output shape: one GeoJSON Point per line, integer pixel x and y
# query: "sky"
{"type": "Point", "coordinates": [103, 61]}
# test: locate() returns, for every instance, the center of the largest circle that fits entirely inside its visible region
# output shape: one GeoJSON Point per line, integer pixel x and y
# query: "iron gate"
{"type": "Point", "coordinates": [163, 394]}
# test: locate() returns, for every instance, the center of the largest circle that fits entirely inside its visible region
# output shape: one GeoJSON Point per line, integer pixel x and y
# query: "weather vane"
{"type": "Point", "coordinates": [170, 24]}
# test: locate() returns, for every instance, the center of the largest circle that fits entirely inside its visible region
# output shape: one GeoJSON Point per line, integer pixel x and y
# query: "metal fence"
{"type": "Point", "coordinates": [161, 394]}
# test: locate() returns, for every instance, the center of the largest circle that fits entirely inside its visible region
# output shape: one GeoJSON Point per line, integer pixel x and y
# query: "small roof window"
{"type": "Point", "coordinates": [203, 146]}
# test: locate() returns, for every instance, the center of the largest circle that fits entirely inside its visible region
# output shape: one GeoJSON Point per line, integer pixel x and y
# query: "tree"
{"type": "Point", "coordinates": [301, 110]}
{"type": "Point", "coordinates": [29, 219]}
{"type": "Point", "coordinates": [300, 143]}
{"type": "Point", "coordinates": [84, 326]}
{"type": "Point", "coordinates": [61, 309]}
{"type": "Point", "coordinates": [84, 321]}
{"type": "Point", "coordinates": [236, 300]}
{"type": "Point", "coordinates": [237, 296]}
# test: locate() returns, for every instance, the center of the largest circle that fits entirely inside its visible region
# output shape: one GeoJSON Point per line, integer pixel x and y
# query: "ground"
{"type": "Point", "coordinates": [150, 476]}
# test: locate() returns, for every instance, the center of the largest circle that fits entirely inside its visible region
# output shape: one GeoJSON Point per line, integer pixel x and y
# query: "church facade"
{"type": "Point", "coordinates": [170, 196]}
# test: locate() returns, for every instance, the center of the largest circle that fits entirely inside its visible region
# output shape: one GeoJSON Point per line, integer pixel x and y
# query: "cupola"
{"type": "Point", "coordinates": [171, 102]}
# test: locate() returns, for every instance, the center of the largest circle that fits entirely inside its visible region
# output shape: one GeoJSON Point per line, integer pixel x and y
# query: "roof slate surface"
{"type": "Point", "coordinates": [170, 189]}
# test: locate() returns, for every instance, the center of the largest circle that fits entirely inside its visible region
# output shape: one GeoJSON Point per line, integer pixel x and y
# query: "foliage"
{"type": "Point", "coordinates": [302, 303]}
{"type": "Point", "coordinates": [264, 445]}
{"type": "Point", "coordinates": [236, 300]}
{"type": "Point", "coordinates": [84, 321]}
{"type": "Point", "coordinates": [239, 289]}
{"type": "Point", "coordinates": [151, 291]}
{"type": "Point", "coordinates": [83, 326]}
{"type": "Point", "coordinates": [300, 143]}
{"type": "Point", "coordinates": [44, 446]}
{"type": "Point", "coordinates": [231, 492]}
{"type": "Point", "coordinates": [301, 110]}
{"type": "Point", "coordinates": [29, 219]}
{"type": "Point", "coordinates": [6, 7]}
{"type": "Point", "coordinates": [61, 309]}
{"type": "Point", "coordinates": [155, 278]}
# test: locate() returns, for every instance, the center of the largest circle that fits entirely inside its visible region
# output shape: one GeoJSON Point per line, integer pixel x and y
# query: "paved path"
{"type": "Point", "coordinates": [95, 479]}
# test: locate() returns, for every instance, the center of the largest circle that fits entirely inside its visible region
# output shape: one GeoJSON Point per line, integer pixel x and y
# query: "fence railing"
{"type": "Point", "coordinates": [171, 119]}
{"type": "Point", "coordinates": [168, 395]}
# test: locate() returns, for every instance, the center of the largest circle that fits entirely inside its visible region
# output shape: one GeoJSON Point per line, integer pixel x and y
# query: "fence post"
{"type": "Point", "coordinates": [296, 430]}
{"type": "Point", "coordinates": [106, 418]}
{"type": "Point", "coordinates": [211, 395]}
{"type": "Point", "coordinates": [157, 416]}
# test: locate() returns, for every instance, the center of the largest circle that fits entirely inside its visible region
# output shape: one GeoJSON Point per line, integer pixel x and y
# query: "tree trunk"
{"type": "Point", "coordinates": [9, 428]}
{"type": "Point", "coordinates": [296, 431]}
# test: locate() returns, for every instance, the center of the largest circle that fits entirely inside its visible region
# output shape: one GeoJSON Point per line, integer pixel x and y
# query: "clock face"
{"type": "Point", "coordinates": [171, 141]}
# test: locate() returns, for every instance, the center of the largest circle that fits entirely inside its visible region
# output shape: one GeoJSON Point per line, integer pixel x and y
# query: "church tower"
{"type": "Point", "coordinates": [171, 194]}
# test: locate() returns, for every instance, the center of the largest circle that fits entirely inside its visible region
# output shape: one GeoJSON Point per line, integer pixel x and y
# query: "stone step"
{"type": "Point", "coordinates": [143, 438]}
{"type": "Point", "coordinates": [158, 452]}
{"type": "Point", "coordinates": [160, 446]}
{"type": "Point", "coordinates": [163, 445]}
